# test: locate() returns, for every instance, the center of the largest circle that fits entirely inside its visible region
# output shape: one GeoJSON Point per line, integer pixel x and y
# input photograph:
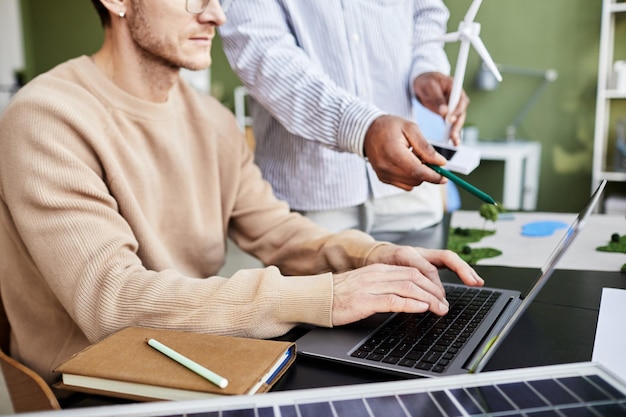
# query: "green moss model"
{"type": "Point", "coordinates": [616, 244]}
{"type": "Point", "coordinates": [460, 238]}
{"type": "Point", "coordinates": [490, 212]}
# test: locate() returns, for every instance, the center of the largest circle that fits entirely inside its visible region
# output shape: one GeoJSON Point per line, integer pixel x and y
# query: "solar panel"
{"type": "Point", "coordinates": [584, 389]}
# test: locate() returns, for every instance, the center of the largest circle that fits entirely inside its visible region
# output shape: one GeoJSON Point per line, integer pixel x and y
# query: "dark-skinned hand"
{"type": "Point", "coordinates": [432, 89]}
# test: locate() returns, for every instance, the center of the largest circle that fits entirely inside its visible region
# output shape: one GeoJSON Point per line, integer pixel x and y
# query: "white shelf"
{"type": "Point", "coordinates": [602, 140]}
{"type": "Point", "coordinates": [618, 7]}
{"type": "Point", "coordinates": [612, 176]}
{"type": "Point", "coordinates": [615, 94]}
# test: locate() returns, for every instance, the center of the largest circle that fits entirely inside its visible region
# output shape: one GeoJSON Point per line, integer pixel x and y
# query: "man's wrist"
{"type": "Point", "coordinates": [355, 124]}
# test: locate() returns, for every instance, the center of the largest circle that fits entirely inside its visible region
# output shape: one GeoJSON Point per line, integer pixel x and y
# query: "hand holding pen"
{"type": "Point", "coordinates": [475, 191]}
{"type": "Point", "coordinates": [385, 145]}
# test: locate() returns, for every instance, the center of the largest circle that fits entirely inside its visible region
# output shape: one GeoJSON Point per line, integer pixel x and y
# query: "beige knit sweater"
{"type": "Point", "coordinates": [114, 208]}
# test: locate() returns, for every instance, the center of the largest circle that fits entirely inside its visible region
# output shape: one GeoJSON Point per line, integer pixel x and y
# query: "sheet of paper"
{"type": "Point", "coordinates": [609, 347]}
{"type": "Point", "coordinates": [461, 159]}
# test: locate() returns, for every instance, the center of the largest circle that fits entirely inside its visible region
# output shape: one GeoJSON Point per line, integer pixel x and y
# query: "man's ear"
{"type": "Point", "coordinates": [116, 7]}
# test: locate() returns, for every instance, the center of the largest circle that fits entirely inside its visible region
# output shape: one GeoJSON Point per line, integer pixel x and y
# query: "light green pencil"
{"type": "Point", "coordinates": [211, 376]}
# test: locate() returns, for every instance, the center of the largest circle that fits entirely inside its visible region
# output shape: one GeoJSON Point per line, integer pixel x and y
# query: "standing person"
{"type": "Point", "coordinates": [332, 84]}
{"type": "Point", "coordinates": [118, 187]}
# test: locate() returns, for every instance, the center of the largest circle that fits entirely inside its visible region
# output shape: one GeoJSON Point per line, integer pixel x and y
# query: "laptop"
{"type": "Point", "coordinates": [424, 344]}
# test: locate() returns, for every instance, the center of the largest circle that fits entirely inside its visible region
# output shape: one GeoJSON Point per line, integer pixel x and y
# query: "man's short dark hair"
{"type": "Point", "coordinates": [103, 12]}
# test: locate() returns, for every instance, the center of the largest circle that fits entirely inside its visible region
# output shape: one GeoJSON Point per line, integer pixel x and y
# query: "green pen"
{"type": "Point", "coordinates": [463, 184]}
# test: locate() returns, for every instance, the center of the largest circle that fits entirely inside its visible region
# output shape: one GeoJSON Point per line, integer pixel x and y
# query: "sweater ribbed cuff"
{"type": "Point", "coordinates": [307, 299]}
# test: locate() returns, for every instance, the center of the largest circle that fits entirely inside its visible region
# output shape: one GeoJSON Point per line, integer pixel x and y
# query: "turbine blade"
{"type": "Point", "coordinates": [484, 54]}
{"type": "Point", "coordinates": [472, 11]}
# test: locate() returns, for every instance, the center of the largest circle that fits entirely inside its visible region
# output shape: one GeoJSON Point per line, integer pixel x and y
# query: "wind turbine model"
{"type": "Point", "coordinates": [467, 33]}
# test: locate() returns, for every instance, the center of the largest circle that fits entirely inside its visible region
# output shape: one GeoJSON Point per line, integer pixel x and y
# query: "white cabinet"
{"type": "Point", "coordinates": [605, 135]}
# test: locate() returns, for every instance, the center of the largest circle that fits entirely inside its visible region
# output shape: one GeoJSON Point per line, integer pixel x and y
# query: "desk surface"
{"type": "Point", "coordinates": [559, 327]}
{"type": "Point", "coordinates": [523, 251]}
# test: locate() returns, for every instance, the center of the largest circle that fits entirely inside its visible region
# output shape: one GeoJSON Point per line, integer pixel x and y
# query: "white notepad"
{"type": "Point", "coordinates": [461, 159]}
{"type": "Point", "coordinates": [610, 344]}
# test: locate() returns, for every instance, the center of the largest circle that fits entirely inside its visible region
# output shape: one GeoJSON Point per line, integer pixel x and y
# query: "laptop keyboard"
{"type": "Point", "coordinates": [426, 341]}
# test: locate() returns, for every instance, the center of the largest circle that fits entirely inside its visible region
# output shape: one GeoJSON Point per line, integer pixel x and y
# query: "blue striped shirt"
{"type": "Point", "coordinates": [319, 73]}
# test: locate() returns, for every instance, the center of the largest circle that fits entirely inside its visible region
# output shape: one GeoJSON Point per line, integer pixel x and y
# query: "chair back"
{"type": "Point", "coordinates": [5, 329]}
{"type": "Point", "coordinates": [21, 389]}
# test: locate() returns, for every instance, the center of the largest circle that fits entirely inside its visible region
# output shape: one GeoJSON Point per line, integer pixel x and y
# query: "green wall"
{"type": "Point", "coordinates": [534, 34]}
{"type": "Point", "coordinates": [540, 35]}
{"type": "Point", "coordinates": [55, 31]}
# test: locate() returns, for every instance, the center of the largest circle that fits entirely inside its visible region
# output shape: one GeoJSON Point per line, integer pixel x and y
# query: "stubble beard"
{"type": "Point", "coordinates": [156, 53]}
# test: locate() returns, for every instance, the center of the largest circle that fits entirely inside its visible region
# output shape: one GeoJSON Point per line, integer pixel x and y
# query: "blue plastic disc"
{"type": "Point", "coordinates": [542, 228]}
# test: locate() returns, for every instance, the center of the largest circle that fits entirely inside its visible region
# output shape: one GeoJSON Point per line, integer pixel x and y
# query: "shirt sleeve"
{"type": "Point", "coordinates": [264, 226]}
{"type": "Point", "coordinates": [267, 58]}
{"type": "Point", "coordinates": [431, 18]}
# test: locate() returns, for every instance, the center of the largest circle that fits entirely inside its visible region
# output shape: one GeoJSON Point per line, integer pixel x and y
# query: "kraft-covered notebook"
{"type": "Point", "coordinates": [124, 365]}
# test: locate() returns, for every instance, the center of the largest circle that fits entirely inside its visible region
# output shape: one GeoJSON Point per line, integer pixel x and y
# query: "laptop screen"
{"type": "Point", "coordinates": [546, 272]}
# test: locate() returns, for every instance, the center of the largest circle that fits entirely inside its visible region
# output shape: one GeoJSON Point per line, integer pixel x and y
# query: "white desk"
{"type": "Point", "coordinates": [522, 161]}
{"type": "Point", "coordinates": [532, 252]}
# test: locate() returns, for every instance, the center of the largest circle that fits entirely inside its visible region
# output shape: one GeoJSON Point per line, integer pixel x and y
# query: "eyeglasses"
{"type": "Point", "coordinates": [199, 6]}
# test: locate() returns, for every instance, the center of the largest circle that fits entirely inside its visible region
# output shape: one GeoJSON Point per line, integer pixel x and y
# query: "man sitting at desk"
{"type": "Point", "coordinates": [119, 185]}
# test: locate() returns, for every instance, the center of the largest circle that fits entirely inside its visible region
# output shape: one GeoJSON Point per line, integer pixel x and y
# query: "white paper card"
{"type": "Point", "coordinates": [461, 159]}
{"type": "Point", "coordinates": [609, 347]}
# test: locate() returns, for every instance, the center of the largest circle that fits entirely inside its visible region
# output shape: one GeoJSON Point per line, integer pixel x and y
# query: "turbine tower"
{"type": "Point", "coordinates": [468, 33]}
